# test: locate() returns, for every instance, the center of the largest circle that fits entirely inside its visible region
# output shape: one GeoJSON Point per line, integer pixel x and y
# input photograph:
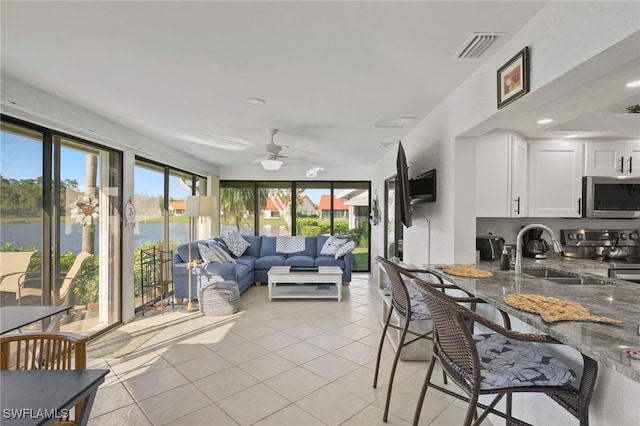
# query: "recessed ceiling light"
{"type": "Point", "coordinates": [546, 121]}
{"type": "Point", "coordinates": [255, 101]}
{"type": "Point", "coordinates": [572, 136]}
{"type": "Point", "coordinates": [634, 84]}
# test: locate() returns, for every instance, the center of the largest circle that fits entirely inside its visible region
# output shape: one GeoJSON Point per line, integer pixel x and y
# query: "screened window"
{"type": "Point", "coordinates": [300, 208]}
{"type": "Point", "coordinates": [161, 221]}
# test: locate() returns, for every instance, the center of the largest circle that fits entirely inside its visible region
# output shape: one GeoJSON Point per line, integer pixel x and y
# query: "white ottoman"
{"type": "Point", "coordinates": [219, 298]}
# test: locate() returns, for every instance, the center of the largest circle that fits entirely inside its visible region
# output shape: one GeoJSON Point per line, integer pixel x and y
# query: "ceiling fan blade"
{"type": "Point", "coordinates": [224, 142]}
{"type": "Point", "coordinates": [298, 153]}
{"type": "Point", "coordinates": [294, 159]}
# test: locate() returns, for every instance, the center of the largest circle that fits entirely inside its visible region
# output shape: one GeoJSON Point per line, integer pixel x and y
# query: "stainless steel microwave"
{"type": "Point", "coordinates": [611, 197]}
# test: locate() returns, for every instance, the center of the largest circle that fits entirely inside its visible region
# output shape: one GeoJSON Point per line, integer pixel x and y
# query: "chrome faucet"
{"type": "Point", "coordinates": [557, 247]}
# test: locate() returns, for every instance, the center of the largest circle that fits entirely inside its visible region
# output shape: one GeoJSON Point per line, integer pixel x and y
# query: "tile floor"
{"type": "Point", "coordinates": [286, 362]}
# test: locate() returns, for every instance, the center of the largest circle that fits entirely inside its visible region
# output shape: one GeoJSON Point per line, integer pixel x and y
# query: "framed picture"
{"type": "Point", "coordinates": [513, 78]}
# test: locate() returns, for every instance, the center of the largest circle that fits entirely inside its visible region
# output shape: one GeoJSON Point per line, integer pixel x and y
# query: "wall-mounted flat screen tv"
{"type": "Point", "coordinates": [422, 188]}
{"type": "Point", "coordinates": [402, 187]}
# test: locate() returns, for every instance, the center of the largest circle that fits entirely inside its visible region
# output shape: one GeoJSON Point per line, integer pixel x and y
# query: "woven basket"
{"type": "Point", "coordinates": [219, 298]}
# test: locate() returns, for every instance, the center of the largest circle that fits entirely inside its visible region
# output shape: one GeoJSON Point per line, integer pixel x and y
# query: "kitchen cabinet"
{"type": "Point", "coordinates": [501, 175]}
{"type": "Point", "coordinates": [555, 178]}
{"type": "Point", "coordinates": [612, 158]}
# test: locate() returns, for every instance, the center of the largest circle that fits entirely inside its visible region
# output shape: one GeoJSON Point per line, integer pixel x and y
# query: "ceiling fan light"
{"type": "Point", "coordinates": [271, 164]}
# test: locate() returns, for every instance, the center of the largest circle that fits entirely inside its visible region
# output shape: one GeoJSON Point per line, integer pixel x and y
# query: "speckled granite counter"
{"type": "Point", "coordinates": [614, 298]}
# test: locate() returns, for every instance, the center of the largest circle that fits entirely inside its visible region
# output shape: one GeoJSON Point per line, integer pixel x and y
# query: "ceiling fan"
{"type": "Point", "coordinates": [273, 154]}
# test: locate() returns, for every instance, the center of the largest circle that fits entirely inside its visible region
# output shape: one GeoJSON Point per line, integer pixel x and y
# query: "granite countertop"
{"type": "Point", "coordinates": [614, 298]}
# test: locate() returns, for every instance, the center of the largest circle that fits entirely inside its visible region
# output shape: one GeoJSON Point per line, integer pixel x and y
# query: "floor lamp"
{"type": "Point", "coordinates": [197, 206]}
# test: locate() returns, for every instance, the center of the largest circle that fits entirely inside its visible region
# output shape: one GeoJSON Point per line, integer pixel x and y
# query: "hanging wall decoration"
{"type": "Point", "coordinates": [375, 210]}
{"type": "Point", "coordinates": [513, 78]}
{"type": "Point", "coordinates": [130, 214]}
{"type": "Point", "coordinates": [85, 210]}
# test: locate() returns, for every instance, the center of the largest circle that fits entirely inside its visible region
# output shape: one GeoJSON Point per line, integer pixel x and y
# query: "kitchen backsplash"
{"type": "Point", "coordinates": [508, 228]}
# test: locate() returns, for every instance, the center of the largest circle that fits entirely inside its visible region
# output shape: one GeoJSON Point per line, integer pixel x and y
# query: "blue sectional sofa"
{"type": "Point", "coordinates": [252, 266]}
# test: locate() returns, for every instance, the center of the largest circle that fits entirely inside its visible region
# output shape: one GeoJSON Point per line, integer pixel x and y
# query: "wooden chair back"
{"type": "Point", "coordinates": [45, 351]}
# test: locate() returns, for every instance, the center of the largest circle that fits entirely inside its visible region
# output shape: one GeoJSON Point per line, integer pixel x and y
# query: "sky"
{"type": "Point", "coordinates": [21, 158]}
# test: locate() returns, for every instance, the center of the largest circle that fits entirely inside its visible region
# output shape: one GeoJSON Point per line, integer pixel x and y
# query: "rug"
{"type": "Point", "coordinates": [119, 343]}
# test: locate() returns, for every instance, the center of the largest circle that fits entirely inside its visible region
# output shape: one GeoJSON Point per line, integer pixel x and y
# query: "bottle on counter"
{"type": "Point", "coordinates": [505, 260]}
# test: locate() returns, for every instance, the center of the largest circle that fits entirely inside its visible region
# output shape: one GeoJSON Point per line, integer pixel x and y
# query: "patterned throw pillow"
{"type": "Point", "coordinates": [220, 252]}
{"type": "Point", "coordinates": [211, 252]}
{"type": "Point", "coordinates": [347, 248]}
{"type": "Point", "coordinates": [236, 243]}
{"type": "Point", "coordinates": [332, 245]}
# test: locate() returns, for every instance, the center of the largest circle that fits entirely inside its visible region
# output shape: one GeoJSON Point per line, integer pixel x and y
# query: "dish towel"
{"type": "Point", "coordinates": [289, 245]}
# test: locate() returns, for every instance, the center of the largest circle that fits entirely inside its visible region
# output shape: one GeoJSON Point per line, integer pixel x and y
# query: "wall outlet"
{"type": "Point", "coordinates": [491, 231]}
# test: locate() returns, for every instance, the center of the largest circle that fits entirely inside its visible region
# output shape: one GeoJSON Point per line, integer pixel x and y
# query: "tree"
{"type": "Point", "coordinates": [281, 198]}
{"type": "Point", "coordinates": [234, 202]}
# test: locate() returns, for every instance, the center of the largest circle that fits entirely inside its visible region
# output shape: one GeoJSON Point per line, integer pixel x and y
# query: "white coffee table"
{"type": "Point", "coordinates": [324, 275]}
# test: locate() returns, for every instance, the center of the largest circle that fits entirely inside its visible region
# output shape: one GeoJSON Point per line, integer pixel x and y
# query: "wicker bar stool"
{"type": "Point", "coordinates": [498, 363]}
{"type": "Point", "coordinates": [408, 310]}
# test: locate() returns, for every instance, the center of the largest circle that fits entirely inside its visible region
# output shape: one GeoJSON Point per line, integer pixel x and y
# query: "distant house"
{"type": "Point", "coordinates": [305, 207]}
{"type": "Point", "coordinates": [177, 208]}
{"type": "Point", "coordinates": [339, 209]}
{"type": "Point", "coordinates": [357, 201]}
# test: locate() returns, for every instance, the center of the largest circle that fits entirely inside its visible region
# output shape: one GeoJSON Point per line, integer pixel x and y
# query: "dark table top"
{"type": "Point", "coordinates": [37, 396]}
{"type": "Point", "coordinates": [14, 317]}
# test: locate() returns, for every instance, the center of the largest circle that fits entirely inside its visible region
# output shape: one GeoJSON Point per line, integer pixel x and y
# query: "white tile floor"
{"type": "Point", "coordinates": [289, 362]}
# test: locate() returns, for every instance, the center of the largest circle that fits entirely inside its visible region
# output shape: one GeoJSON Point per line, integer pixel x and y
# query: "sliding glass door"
{"type": "Point", "coordinates": [160, 203]}
{"type": "Point", "coordinates": [69, 214]}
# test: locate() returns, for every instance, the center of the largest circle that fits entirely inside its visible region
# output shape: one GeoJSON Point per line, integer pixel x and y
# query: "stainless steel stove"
{"type": "Point", "coordinates": [620, 247]}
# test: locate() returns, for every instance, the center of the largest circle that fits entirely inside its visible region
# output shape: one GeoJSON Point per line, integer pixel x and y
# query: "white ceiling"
{"type": "Point", "coordinates": [179, 71]}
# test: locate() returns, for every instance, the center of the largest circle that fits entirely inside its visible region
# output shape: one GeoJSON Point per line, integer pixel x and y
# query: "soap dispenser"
{"type": "Point", "coordinates": [505, 261]}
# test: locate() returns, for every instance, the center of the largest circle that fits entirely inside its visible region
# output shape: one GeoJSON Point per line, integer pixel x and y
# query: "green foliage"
{"type": "Point", "coordinates": [22, 198]}
{"type": "Point", "coordinates": [310, 226]}
{"type": "Point", "coordinates": [137, 266]}
{"type": "Point", "coordinates": [87, 285]}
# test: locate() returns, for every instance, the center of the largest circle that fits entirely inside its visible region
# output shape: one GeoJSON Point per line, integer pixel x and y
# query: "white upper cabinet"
{"type": "Point", "coordinates": [501, 175]}
{"type": "Point", "coordinates": [555, 178]}
{"type": "Point", "coordinates": [613, 158]}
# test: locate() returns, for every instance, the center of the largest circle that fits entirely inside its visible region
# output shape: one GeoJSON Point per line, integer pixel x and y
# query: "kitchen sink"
{"type": "Point", "coordinates": [546, 273]}
{"type": "Point", "coordinates": [561, 277]}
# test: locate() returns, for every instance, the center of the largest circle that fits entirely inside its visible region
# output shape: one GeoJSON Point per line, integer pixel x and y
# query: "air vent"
{"type": "Point", "coordinates": [476, 45]}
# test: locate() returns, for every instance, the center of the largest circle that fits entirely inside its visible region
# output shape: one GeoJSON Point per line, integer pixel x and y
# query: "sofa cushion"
{"type": "Point", "coordinates": [266, 262]}
{"type": "Point", "coordinates": [242, 271]}
{"type": "Point", "coordinates": [329, 261]}
{"type": "Point", "coordinates": [236, 243]}
{"type": "Point", "coordinates": [300, 261]}
{"type": "Point", "coordinates": [309, 247]}
{"type": "Point", "coordinates": [254, 248]}
{"type": "Point", "coordinates": [268, 246]}
{"type": "Point", "coordinates": [332, 244]}
{"type": "Point", "coordinates": [247, 260]}
{"type": "Point", "coordinates": [183, 251]}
